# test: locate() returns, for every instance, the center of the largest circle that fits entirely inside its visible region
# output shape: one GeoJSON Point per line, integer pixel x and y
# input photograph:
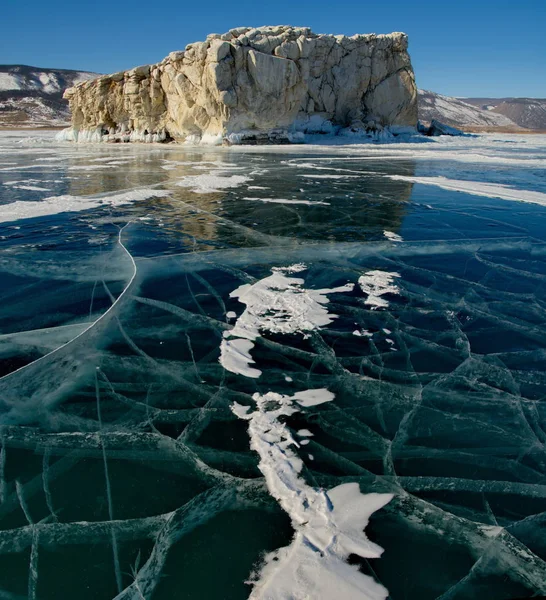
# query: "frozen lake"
{"type": "Point", "coordinates": [217, 364]}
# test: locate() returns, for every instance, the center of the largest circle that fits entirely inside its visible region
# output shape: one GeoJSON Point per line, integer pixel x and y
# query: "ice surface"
{"type": "Point", "coordinates": [328, 524]}
{"type": "Point", "coordinates": [24, 185]}
{"type": "Point", "coordinates": [124, 439]}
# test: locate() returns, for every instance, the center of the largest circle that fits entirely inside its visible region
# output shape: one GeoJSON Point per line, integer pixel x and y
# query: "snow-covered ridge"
{"type": "Point", "coordinates": [32, 96]}
{"type": "Point", "coordinates": [47, 81]}
{"type": "Point", "coordinates": [458, 113]}
{"type": "Point", "coordinates": [525, 112]}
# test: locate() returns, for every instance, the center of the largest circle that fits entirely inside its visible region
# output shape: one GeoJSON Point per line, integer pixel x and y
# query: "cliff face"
{"type": "Point", "coordinates": [253, 84]}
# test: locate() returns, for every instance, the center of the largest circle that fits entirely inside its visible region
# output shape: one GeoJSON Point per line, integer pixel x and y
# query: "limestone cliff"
{"type": "Point", "coordinates": [268, 83]}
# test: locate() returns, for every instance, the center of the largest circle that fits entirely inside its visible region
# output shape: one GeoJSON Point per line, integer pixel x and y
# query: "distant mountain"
{"type": "Point", "coordinates": [484, 114]}
{"type": "Point", "coordinates": [525, 112]}
{"type": "Point", "coordinates": [459, 113]}
{"type": "Point", "coordinates": [32, 97]}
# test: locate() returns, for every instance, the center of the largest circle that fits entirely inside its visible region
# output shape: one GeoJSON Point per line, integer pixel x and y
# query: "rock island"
{"type": "Point", "coordinates": [254, 85]}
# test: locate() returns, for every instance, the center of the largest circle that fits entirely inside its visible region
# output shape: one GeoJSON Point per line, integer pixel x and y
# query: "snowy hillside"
{"type": "Point", "coordinates": [46, 81]}
{"type": "Point", "coordinates": [525, 112]}
{"type": "Point", "coordinates": [458, 113]}
{"type": "Point", "coordinates": [32, 97]}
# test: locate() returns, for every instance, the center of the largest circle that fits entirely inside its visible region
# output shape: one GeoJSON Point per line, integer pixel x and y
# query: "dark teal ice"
{"type": "Point", "coordinates": [123, 471]}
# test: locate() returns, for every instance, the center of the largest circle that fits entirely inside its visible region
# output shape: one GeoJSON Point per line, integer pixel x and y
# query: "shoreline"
{"type": "Point", "coordinates": [509, 130]}
{"type": "Point", "coordinates": [37, 128]}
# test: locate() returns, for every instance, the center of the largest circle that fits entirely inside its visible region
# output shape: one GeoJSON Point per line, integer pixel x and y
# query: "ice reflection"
{"type": "Point", "coordinates": [344, 209]}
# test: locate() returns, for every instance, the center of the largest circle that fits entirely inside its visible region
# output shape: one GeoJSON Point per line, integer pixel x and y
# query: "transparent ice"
{"type": "Point", "coordinates": [124, 470]}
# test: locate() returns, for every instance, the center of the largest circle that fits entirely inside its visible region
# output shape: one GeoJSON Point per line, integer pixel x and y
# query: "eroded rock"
{"type": "Point", "coordinates": [252, 84]}
{"type": "Point", "coordinates": [437, 128]}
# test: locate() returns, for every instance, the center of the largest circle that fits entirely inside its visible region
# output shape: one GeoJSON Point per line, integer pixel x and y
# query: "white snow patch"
{"type": "Point", "coordinates": [30, 188]}
{"type": "Point", "coordinates": [211, 182]}
{"type": "Point", "coordinates": [295, 268]}
{"type": "Point", "coordinates": [376, 284]}
{"type": "Point", "coordinates": [54, 205]}
{"type": "Point", "coordinates": [287, 201]}
{"type": "Point", "coordinates": [393, 237]}
{"type": "Point", "coordinates": [448, 108]}
{"type": "Point", "coordinates": [362, 333]}
{"type": "Point", "coordinates": [329, 524]}
{"type": "Point", "coordinates": [318, 176]}
{"type": "Point", "coordinates": [278, 304]}
{"type": "Point", "coordinates": [313, 397]}
{"type": "Point", "coordinates": [478, 188]}
{"type": "Point", "coordinates": [235, 357]}
{"type": "Point", "coordinates": [9, 81]}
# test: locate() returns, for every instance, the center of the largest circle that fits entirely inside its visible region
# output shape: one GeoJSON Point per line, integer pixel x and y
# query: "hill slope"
{"type": "Point", "coordinates": [32, 97]}
{"type": "Point", "coordinates": [525, 112]}
{"type": "Point", "coordinates": [459, 113]}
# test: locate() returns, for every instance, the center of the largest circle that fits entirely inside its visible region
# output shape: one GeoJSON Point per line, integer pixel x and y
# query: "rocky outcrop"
{"type": "Point", "coordinates": [253, 84]}
{"type": "Point", "coordinates": [437, 128]}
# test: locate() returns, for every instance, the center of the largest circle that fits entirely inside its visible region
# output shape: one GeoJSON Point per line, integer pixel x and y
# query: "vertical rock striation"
{"type": "Point", "coordinates": [262, 84]}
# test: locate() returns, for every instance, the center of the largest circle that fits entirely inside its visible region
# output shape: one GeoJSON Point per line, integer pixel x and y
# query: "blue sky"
{"type": "Point", "coordinates": [459, 48]}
